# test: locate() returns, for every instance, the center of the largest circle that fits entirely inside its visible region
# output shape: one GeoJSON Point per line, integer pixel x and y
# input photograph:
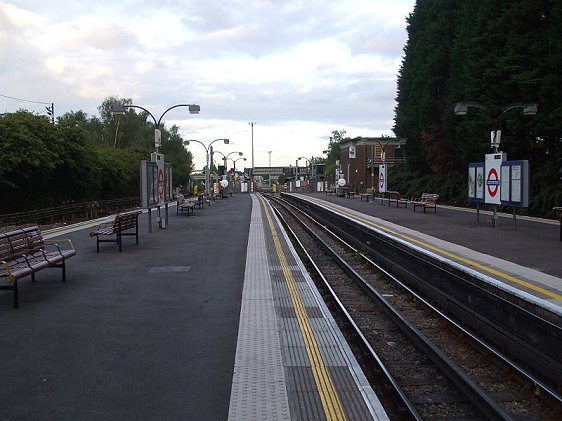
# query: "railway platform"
{"type": "Point", "coordinates": [525, 258]}
{"type": "Point", "coordinates": [211, 318]}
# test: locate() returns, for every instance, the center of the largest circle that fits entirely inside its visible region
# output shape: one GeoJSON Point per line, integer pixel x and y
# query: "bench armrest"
{"type": "Point", "coordinates": [56, 244]}
{"type": "Point", "coordinates": [100, 227]}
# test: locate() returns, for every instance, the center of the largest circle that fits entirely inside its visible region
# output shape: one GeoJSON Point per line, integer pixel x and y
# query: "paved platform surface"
{"type": "Point", "coordinates": [530, 252]}
{"type": "Point", "coordinates": [146, 334]}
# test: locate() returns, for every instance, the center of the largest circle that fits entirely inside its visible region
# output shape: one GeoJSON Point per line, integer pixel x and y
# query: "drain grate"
{"type": "Point", "coordinates": [169, 269]}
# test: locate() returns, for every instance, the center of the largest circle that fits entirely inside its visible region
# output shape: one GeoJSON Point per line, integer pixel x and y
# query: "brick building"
{"type": "Point", "coordinates": [360, 158]}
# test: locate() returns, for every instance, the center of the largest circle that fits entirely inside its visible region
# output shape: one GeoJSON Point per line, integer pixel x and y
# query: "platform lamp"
{"type": "Point", "coordinates": [120, 109]}
{"type": "Point", "coordinates": [207, 149]}
{"type": "Point", "coordinates": [530, 108]}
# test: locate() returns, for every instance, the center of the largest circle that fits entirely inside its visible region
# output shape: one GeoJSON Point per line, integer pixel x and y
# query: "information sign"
{"type": "Point", "coordinates": [492, 171]}
{"type": "Point", "coordinates": [382, 178]}
{"type": "Point", "coordinates": [515, 183]}
{"type": "Point", "coordinates": [476, 182]}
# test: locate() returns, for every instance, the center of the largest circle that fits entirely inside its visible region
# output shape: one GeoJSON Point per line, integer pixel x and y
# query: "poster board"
{"type": "Point", "coordinates": [515, 183]}
{"type": "Point", "coordinates": [476, 182]}
{"type": "Point", "coordinates": [156, 182]}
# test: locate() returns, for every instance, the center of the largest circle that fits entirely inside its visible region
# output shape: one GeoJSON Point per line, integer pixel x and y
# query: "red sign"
{"type": "Point", "coordinates": [493, 182]}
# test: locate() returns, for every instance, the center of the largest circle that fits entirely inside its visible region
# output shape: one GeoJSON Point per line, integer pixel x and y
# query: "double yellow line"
{"type": "Point", "coordinates": [328, 395]}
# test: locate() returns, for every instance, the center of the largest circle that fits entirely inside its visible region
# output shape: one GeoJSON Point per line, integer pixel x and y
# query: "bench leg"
{"type": "Point", "coordinates": [98, 243]}
{"type": "Point", "coordinates": [119, 241]}
{"type": "Point", "coordinates": [16, 298]}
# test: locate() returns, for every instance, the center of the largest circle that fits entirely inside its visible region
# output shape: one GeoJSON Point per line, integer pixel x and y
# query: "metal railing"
{"type": "Point", "coordinates": [65, 214]}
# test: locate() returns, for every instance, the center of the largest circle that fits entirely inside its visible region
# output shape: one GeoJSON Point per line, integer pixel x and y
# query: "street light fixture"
{"type": "Point", "coordinates": [529, 108]}
{"type": "Point", "coordinates": [251, 123]}
{"type": "Point", "coordinates": [306, 159]}
{"type": "Point", "coordinates": [236, 160]}
{"type": "Point", "coordinates": [207, 157]}
{"type": "Point", "coordinates": [225, 157]}
{"type": "Point", "coordinates": [121, 109]}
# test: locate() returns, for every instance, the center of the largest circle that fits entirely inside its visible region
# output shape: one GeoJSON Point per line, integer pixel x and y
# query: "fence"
{"type": "Point", "coordinates": [68, 213]}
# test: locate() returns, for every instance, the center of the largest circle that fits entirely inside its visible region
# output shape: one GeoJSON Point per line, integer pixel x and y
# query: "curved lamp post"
{"type": "Point", "coordinates": [306, 164]}
{"type": "Point", "coordinates": [121, 109]}
{"type": "Point", "coordinates": [207, 147]}
{"type": "Point", "coordinates": [530, 108]}
{"type": "Point", "coordinates": [225, 157]}
{"type": "Point", "coordinates": [236, 160]}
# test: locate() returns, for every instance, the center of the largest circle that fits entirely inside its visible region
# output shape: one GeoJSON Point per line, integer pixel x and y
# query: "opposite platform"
{"type": "Point", "coordinates": [526, 261]}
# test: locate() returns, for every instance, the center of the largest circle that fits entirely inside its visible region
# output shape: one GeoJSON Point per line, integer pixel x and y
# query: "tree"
{"type": "Point", "coordinates": [333, 154]}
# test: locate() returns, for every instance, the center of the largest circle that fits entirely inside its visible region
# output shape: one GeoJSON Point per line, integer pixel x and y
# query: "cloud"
{"type": "Point", "coordinates": [299, 69]}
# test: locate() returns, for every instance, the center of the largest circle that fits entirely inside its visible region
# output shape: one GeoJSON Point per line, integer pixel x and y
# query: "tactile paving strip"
{"type": "Point", "coordinates": [258, 385]}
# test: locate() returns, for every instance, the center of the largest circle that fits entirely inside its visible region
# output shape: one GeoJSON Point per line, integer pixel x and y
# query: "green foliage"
{"type": "Point", "coordinates": [333, 154]}
{"type": "Point", "coordinates": [80, 158]}
{"type": "Point", "coordinates": [495, 53]}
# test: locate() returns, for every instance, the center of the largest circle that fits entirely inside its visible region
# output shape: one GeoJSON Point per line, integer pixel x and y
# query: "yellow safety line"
{"type": "Point", "coordinates": [470, 262]}
{"type": "Point", "coordinates": [328, 394]}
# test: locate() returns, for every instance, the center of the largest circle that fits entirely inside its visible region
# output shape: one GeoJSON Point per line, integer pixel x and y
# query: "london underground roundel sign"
{"type": "Point", "coordinates": [492, 178]}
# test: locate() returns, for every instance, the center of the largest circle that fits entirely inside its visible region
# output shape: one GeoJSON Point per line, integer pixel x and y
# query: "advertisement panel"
{"type": "Point", "coordinates": [515, 183]}
{"type": "Point", "coordinates": [476, 182]}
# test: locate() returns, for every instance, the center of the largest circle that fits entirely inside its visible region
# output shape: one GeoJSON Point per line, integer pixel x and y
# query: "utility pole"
{"type": "Point", "coordinates": [252, 177]}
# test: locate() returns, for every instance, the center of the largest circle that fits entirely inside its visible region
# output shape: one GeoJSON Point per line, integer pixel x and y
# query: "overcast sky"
{"type": "Point", "coordinates": [298, 69]}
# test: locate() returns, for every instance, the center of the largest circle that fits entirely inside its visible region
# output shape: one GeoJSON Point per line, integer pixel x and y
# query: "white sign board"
{"type": "Point", "coordinates": [492, 176]}
{"type": "Point", "coordinates": [352, 151]}
{"type": "Point", "coordinates": [382, 178]}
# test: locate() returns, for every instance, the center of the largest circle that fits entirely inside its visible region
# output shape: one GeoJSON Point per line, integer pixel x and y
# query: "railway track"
{"type": "Point", "coordinates": [426, 365]}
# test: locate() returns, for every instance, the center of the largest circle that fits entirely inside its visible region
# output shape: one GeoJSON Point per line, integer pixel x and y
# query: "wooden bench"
{"type": "Point", "coordinates": [426, 200]}
{"type": "Point", "coordinates": [395, 197]}
{"type": "Point", "coordinates": [122, 222]}
{"type": "Point", "coordinates": [368, 195]}
{"type": "Point", "coordinates": [184, 204]}
{"type": "Point", "coordinates": [24, 252]}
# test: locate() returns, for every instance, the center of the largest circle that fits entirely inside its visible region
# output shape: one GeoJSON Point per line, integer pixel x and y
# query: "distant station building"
{"type": "Point", "coordinates": [360, 158]}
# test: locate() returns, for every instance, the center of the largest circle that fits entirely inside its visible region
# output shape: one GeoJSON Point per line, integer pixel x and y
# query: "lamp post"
{"type": "Point", "coordinates": [530, 108]}
{"type": "Point", "coordinates": [236, 160]}
{"type": "Point", "coordinates": [251, 123]}
{"type": "Point", "coordinates": [306, 159]}
{"type": "Point", "coordinates": [207, 157]}
{"type": "Point", "coordinates": [225, 158]}
{"type": "Point", "coordinates": [121, 109]}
